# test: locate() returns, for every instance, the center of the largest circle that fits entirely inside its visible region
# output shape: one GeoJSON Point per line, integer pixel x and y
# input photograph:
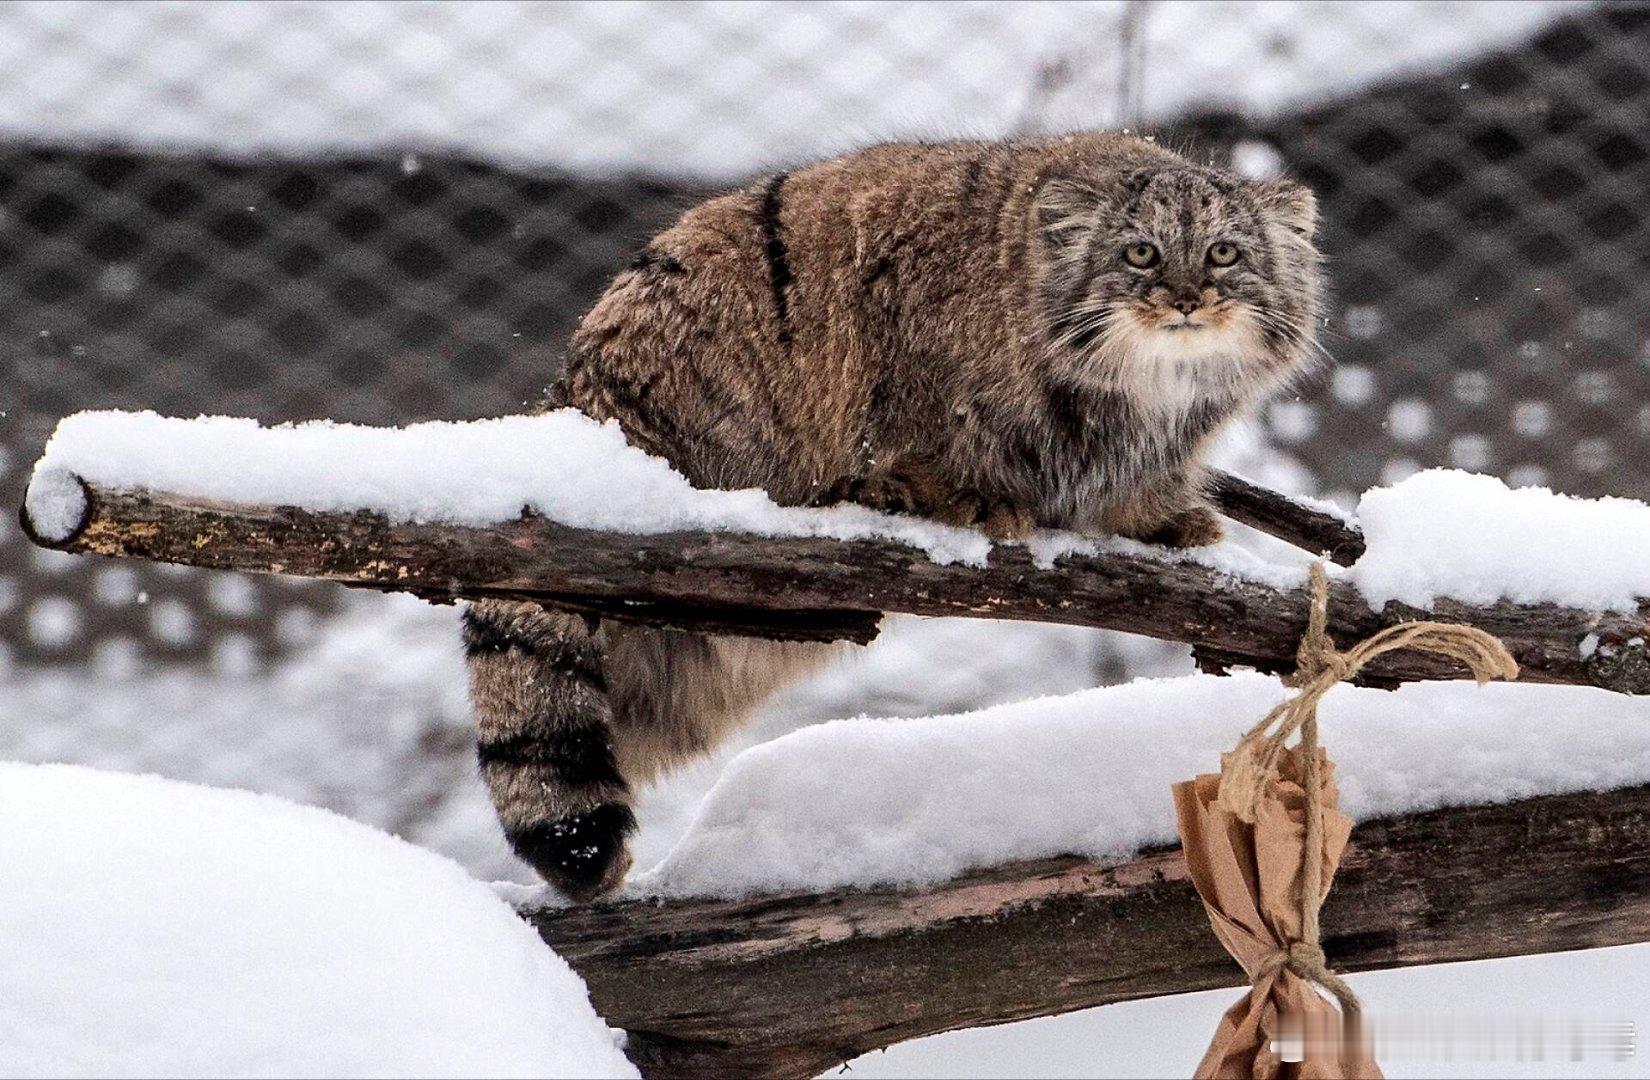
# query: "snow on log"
{"type": "Point", "coordinates": [910, 801]}
{"type": "Point", "coordinates": [863, 881]}
{"type": "Point", "coordinates": [792, 985]}
{"type": "Point", "coordinates": [558, 509]}
{"type": "Point", "coordinates": [822, 588]}
{"type": "Point", "coordinates": [563, 465]}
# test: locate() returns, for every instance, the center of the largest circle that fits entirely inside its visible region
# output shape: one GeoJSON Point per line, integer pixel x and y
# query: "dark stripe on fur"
{"type": "Point", "coordinates": [1199, 421]}
{"type": "Point", "coordinates": [1007, 184]}
{"type": "Point", "coordinates": [579, 757]}
{"type": "Point", "coordinates": [576, 851]}
{"type": "Point", "coordinates": [779, 260]}
{"type": "Point", "coordinates": [971, 181]}
{"type": "Point", "coordinates": [1076, 330]}
{"type": "Point", "coordinates": [629, 401]}
{"type": "Point", "coordinates": [485, 635]}
{"type": "Point", "coordinates": [556, 395]}
{"type": "Point", "coordinates": [633, 397]}
{"type": "Point", "coordinates": [1069, 409]}
{"type": "Point", "coordinates": [651, 260]}
{"type": "Point", "coordinates": [880, 266]}
{"type": "Point", "coordinates": [1134, 187]}
{"type": "Point", "coordinates": [1024, 446]}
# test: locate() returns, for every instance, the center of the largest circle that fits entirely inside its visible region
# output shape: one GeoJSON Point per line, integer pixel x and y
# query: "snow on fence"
{"type": "Point", "coordinates": [708, 984]}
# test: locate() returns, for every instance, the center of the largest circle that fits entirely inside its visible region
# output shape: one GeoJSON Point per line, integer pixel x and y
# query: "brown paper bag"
{"type": "Point", "coordinates": [1247, 875]}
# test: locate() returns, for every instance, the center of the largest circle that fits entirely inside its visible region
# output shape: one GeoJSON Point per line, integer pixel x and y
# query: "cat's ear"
{"type": "Point", "coordinates": [1063, 211]}
{"type": "Point", "coordinates": [1292, 204]}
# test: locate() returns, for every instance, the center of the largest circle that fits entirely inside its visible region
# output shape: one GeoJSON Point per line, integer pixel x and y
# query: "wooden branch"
{"type": "Point", "coordinates": [792, 985]}
{"type": "Point", "coordinates": [1304, 526]}
{"type": "Point", "coordinates": [815, 589]}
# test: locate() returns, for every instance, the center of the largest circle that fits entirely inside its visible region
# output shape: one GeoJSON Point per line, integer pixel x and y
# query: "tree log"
{"type": "Point", "coordinates": [792, 985]}
{"type": "Point", "coordinates": [820, 589]}
{"type": "Point", "coordinates": [1278, 515]}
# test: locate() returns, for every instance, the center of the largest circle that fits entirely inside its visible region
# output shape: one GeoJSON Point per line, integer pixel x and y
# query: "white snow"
{"type": "Point", "coordinates": [896, 802]}
{"type": "Point", "coordinates": [1448, 533]}
{"type": "Point", "coordinates": [1437, 533]}
{"type": "Point", "coordinates": [562, 464]}
{"type": "Point", "coordinates": [709, 90]}
{"type": "Point", "coordinates": [157, 929]}
{"type": "Point", "coordinates": [371, 717]}
{"type": "Point", "coordinates": [56, 503]}
{"type": "Point", "coordinates": [1250, 557]}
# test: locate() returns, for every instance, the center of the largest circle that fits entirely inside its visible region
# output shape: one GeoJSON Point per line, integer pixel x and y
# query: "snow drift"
{"type": "Point", "coordinates": [903, 802]}
{"type": "Point", "coordinates": [152, 928]}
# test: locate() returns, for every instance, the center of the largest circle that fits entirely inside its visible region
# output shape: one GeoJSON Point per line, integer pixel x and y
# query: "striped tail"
{"type": "Point", "coordinates": [545, 743]}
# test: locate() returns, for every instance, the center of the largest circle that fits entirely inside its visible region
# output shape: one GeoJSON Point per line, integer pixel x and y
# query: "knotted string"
{"type": "Point", "coordinates": [1245, 771]}
{"type": "Point", "coordinates": [1318, 667]}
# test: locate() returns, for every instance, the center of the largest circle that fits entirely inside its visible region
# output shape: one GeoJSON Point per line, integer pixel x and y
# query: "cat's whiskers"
{"type": "Point", "coordinates": [1099, 315]}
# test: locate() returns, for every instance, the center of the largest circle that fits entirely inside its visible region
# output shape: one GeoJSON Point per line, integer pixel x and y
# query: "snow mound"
{"type": "Point", "coordinates": [153, 928]}
{"type": "Point", "coordinates": [902, 802]}
{"type": "Point", "coordinates": [1449, 533]}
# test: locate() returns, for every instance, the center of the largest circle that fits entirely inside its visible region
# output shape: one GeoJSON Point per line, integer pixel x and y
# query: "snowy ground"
{"type": "Point", "coordinates": [1156, 1038]}
{"type": "Point", "coordinates": [157, 929]}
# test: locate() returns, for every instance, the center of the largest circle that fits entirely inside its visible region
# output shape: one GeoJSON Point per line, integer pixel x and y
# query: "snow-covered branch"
{"type": "Point", "coordinates": [792, 985]}
{"type": "Point", "coordinates": [823, 588]}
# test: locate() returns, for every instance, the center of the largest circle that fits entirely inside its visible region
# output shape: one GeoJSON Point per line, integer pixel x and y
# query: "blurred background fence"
{"type": "Point", "coordinates": [387, 212]}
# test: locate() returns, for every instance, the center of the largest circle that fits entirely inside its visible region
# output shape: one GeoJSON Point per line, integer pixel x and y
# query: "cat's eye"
{"type": "Point", "coordinates": [1142, 256]}
{"type": "Point", "coordinates": [1223, 254]}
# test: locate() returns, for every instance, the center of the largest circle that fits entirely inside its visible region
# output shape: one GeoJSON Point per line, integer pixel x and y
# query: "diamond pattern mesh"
{"type": "Point", "coordinates": [386, 212]}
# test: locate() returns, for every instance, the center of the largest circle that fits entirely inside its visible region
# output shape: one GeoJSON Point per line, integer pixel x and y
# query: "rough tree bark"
{"type": "Point", "coordinates": [814, 589]}
{"type": "Point", "coordinates": [1307, 527]}
{"type": "Point", "coordinates": [792, 985]}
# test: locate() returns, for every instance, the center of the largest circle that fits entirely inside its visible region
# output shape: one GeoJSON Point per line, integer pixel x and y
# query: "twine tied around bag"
{"type": "Point", "coordinates": [1245, 771]}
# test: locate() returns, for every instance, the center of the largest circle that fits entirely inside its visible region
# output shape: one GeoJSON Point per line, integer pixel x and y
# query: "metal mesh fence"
{"type": "Point", "coordinates": [387, 212]}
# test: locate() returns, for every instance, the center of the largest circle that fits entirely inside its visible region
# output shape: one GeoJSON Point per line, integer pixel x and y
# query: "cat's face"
{"type": "Point", "coordinates": [1181, 263]}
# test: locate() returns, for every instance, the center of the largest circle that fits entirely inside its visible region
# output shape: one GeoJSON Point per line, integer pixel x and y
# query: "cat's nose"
{"type": "Point", "coordinates": [1186, 303]}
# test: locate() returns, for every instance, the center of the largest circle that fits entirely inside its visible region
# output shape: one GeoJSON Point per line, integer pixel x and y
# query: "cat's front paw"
{"type": "Point", "coordinates": [914, 491]}
{"type": "Point", "coordinates": [892, 492]}
{"type": "Point", "coordinates": [1000, 519]}
{"type": "Point", "coordinates": [1197, 527]}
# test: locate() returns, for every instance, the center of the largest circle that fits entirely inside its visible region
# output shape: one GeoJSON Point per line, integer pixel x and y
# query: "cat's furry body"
{"type": "Point", "coordinates": [951, 329]}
